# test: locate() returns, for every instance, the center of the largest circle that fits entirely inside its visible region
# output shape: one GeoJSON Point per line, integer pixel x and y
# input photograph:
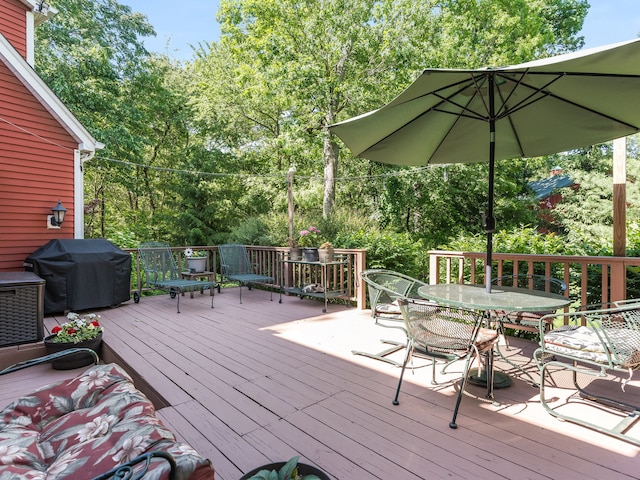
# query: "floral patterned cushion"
{"type": "Point", "coordinates": [82, 427]}
{"type": "Point", "coordinates": [584, 343]}
{"type": "Point", "coordinates": [388, 309]}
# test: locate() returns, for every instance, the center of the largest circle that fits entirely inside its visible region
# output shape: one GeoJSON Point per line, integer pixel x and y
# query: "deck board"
{"type": "Point", "coordinates": [247, 384]}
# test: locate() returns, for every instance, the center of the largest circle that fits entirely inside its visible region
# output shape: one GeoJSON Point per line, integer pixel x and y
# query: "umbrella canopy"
{"type": "Point", "coordinates": [487, 114]}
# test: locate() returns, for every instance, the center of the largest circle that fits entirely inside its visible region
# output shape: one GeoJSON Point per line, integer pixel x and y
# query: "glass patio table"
{"type": "Point", "coordinates": [509, 299]}
{"type": "Point", "coordinates": [506, 299]}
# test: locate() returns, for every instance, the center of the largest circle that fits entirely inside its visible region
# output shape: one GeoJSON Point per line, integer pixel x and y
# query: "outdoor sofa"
{"type": "Point", "coordinates": [88, 426]}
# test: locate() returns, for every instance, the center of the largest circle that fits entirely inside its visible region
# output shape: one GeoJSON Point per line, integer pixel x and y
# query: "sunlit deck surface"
{"type": "Point", "coordinates": [247, 384]}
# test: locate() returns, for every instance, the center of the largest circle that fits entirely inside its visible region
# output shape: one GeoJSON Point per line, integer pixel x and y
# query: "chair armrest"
{"type": "Point", "coordinates": [126, 469]}
{"type": "Point", "coordinates": [609, 337]}
{"type": "Point", "coordinates": [550, 321]}
{"type": "Point", "coordinates": [49, 358]}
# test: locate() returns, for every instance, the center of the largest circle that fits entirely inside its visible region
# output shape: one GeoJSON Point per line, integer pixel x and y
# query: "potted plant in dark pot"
{"type": "Point", "coordinates": [309, 240]}
{"type": "Point", "coordinates": [80, 331]}
{"type": "Point", "coordinates": [291, 470]}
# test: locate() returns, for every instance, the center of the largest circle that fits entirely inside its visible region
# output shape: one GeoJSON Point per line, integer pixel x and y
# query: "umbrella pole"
{"type": "Point", "coordinates": [490, 221]}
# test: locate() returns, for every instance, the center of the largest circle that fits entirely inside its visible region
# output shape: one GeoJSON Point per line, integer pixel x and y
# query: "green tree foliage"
{"type": "Point", "coordinates": [583, 220]}
{"type": "Point", "coordinates": [144, 184]}
{"type": "Point", "coordinates": [197, 153]}
{"type": "Point", "coordinates": [83, 53]}
{"type": "Point", "coordinates": [442, 203]}
{"type": "Point", "coordinates": [283, 71]}
{"type": "Point", "coordinates": [478, 33]}
{"type": "Point", "coordinates": [585, 214]}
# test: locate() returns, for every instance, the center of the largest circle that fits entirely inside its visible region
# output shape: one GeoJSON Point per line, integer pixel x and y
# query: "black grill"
{"type": "Point", "coordinates": [81, 274]}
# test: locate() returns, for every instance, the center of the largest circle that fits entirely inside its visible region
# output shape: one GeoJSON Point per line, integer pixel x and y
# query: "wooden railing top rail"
{"type": "Point", "coordinates": [535, 257]}
{"type": "Point", "coordinates": [579, 272]}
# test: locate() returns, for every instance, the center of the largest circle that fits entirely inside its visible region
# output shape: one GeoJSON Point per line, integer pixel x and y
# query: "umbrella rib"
{"type": "Point", "coordinates": [583, 74]}
{"type": "Point", "coordinates": [543, 94]}
{"type": "Point", "coordinates": [437, 108]}
{"type": "Point", "coordinates": [473, 114]}
{"type": "Point", "coordinates": [525, 102]}
{"type": "Point", "coordinates": [469, 113]}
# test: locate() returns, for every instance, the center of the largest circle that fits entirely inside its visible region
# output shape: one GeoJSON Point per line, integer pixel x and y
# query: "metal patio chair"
{"type": "Point", "coordinates": [236, 267]}
{"type": "Point", "coordinates": [161, 273]}
{"type": "Point", "coordinates": [450, 334]}
{"type": "Point", "coordinates": [526, 321]}
{"type": "Point", "coordinates": [592, 342]}
{"type": "Point", "coordinates": [385, 287]}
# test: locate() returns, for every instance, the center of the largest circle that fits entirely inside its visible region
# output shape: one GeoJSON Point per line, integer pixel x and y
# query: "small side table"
{"type": "Point", "coordinates": [208, 276]}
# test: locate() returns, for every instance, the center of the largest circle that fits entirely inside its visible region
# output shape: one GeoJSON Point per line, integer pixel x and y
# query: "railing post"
{"type": "Point", "coordinates": [360, 292]}
{"type": "Point", "coordinates": [434, 268]}
{"type": "Point", "coordinates": [618, 281]}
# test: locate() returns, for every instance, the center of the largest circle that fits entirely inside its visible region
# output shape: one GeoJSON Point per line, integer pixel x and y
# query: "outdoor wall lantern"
{"type": "Point", "coordinates": [55, 220]}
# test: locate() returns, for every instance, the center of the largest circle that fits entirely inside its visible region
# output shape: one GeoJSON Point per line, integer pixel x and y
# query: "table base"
{"type": "Point", "coordinates": [500, 380]}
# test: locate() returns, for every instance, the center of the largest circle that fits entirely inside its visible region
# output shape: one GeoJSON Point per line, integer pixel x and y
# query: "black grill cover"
{"type": "Point", "coordinates": [81, 274]}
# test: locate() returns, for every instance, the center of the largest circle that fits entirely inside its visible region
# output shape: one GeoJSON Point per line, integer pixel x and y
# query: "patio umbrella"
{"type": "Point", "coordinates": [488, 114]}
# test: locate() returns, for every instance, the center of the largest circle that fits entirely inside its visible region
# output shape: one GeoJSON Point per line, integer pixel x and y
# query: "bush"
{"type": "Point", "coordinates": [253, 231]}
{"type": "Point", "coordinates": [393, 251]}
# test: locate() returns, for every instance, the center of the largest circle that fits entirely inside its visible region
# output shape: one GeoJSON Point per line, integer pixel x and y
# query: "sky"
{"type": "Point", "coordinates": [191, 22]}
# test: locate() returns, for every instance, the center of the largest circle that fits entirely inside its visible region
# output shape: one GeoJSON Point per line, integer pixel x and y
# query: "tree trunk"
{"type": "Point", "coordinates": [330, 154]}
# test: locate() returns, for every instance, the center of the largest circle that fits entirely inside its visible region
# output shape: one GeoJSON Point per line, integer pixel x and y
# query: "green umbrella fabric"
{"type": "Point", "coordinates": [483, 115]}
{"type": "Point", "coordinates": [541, 107]}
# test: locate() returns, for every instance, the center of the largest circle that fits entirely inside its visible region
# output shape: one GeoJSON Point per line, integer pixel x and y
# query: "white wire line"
{"type": "Point", "coordinates": [97, 159]}
{"type": "Point", "coordinates": [29, 132]}
{"type": "Point", "coordinates": [399, 173]}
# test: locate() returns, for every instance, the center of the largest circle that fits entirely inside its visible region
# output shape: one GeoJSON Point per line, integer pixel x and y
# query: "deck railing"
{"type": "Point", "coordinates": [267, 261]}
{"type": "Point", "coordinates": [589, 279]}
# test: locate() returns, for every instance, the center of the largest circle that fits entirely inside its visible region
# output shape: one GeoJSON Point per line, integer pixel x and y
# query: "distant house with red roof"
{"type": "Point", "coordinates": [42, 144]}
{"type": "Point", "coordinates": [548, 192]}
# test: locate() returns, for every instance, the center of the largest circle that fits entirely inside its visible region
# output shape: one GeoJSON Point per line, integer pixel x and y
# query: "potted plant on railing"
{"type": "Point", "coordinates": [326, 252]}
{"type": "Point", "coordinates": [295, 252]}
{"type": "Point", "coordinates": [309, 239]}
{"type": "Point", "coordinates": [291, 470]}
{"type": "Point", "coordinates": [196, 260]}
{"type": "Point", "coordinates": [80, 331]}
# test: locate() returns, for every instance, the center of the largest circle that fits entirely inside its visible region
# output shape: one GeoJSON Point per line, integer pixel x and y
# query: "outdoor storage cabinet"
{"type": "Point", "coordinates": [81, 274]}
{"type": "Point", "coordinates": [21, 308]}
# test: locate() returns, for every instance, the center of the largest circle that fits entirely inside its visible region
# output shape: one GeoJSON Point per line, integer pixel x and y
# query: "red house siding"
{"type": "Point", "coordinates": [13, 24]}
{"type": "Point", "coordinates": [37, 162]}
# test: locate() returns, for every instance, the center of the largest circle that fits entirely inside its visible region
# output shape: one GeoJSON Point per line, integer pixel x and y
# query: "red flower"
{"type": "Point", "coordinates": [95, 324]}
{"type": "Point", "coordinates": [71, 331]}
{"type": "Point", "coordinates": [56, 329]}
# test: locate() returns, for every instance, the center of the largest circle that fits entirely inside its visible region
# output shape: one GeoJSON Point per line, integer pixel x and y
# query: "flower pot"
{"type": "Point", "coordinates": [72, 361]}
{"type": "Point", "coordinates": [310, 254]}
{"type": "Point", "coordinates": [325, 255]}
{"type": "Point", "coordinates": [295, 253]}
{"type": "Point", "coordinates": [197, 264]}
{"type": "Point", "coordinates": [303, 469]}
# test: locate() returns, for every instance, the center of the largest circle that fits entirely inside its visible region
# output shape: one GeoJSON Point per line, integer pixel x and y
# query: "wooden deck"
{"type": "Point", "coordinates": [250, 383]}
